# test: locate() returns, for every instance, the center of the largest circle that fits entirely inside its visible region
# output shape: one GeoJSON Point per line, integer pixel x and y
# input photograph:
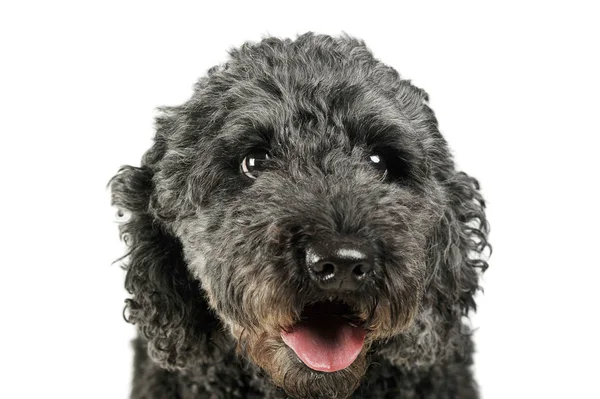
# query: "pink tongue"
{"type": "Point", "coordinates": [328, 344]}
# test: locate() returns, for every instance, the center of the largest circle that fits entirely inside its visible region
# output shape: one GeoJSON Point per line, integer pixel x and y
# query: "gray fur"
{"type": "Point", "coordinates": [215, 268]}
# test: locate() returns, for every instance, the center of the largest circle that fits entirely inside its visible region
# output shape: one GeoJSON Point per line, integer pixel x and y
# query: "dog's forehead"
{"type": "Point", "coordinates": [309, 94]}
{"type": "Point", "coordinates": [337, 113]}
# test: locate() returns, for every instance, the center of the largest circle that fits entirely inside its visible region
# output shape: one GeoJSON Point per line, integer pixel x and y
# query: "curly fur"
{"type": "Point", "coordinates": [214, 267]}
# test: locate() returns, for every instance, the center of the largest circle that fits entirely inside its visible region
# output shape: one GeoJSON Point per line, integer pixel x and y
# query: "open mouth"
{"type": "Point", "coordinates": [328, 336]}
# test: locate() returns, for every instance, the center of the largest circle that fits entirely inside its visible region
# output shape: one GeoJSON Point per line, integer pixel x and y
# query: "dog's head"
{"type": "Point", "coordinates": [303, 199]}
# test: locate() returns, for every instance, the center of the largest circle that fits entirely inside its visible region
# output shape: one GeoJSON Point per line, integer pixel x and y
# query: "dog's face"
{"type": "Point", "coordinates": [316, 220]}
{"type": "Point", "coordinates": [306, 185]}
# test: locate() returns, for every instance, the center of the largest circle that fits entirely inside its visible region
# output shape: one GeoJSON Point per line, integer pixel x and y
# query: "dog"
{"type": "Point", "coordinates": [299, 229]}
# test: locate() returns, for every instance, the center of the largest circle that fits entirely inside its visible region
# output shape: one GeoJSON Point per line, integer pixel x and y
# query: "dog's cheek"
{"type": "Point", "coordinates": [400, 227]}
{"type": "Point", "coordinates": [193, 234]}
{"type": "Point", "coordinates": [239, 281]}
{"type": "Point", "coordinates": [399, 300]}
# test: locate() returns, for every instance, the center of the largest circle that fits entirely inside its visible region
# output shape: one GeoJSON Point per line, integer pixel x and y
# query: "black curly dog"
{"type": "Point", "coordinates": [299, 229]}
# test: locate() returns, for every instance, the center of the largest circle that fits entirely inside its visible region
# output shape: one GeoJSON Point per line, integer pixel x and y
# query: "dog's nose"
{"type": "Point", "coordinates": [339, 266]}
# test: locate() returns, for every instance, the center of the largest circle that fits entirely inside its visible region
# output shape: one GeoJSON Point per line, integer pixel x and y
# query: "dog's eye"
{"type": "Point", "coordinates": [255, 163]}
{"type": "Point", "coordinates": [378, 162]}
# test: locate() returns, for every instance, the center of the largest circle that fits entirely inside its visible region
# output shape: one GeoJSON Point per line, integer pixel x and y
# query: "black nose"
{"type": "Point", "coordinates": [339, 266]}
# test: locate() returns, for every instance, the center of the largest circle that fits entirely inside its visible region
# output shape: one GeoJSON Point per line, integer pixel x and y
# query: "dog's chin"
{"type": "Point", "coordinates": [289, 372]}
{"type": "Point", "coordinates": [322, 355]}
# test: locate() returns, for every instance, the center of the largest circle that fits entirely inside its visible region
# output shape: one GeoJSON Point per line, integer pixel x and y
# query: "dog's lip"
{"type": "Point", "coordinates": [334, 307]}
{"type": "Point", "coordinates": [328, 337]}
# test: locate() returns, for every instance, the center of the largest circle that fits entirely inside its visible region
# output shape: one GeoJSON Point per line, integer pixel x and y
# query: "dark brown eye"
{"type": "Point", "coordinates": [255, 163]}
{"type": "Point", "coordinates": [379, 164]}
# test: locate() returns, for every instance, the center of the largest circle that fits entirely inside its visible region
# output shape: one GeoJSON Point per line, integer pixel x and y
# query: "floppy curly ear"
{"type": "Point", "coordinates": [166, 303]}
{"type": "Point", "coordinates": [457, 244]}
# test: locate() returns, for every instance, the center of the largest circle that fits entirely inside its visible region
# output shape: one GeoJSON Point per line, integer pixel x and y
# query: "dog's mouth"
{"type": "Point", "coordinates": [328, 337]}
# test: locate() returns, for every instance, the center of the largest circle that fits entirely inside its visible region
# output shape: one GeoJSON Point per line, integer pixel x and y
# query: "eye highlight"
{"type": "Point", "coordinates": [255, 163]}
{"type": "Point", "coordinates": [378, 163]}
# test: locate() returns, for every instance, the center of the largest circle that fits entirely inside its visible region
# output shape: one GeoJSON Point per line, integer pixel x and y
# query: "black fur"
{"type": "Point", "coordinates": [215, 268]}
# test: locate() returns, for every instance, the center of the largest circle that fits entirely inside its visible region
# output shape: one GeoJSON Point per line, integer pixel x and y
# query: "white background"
{"type": "Point", "coordinates": [515, 88]}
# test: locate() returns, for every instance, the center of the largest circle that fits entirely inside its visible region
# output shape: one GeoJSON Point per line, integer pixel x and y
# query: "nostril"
{"type": "Point", "coordinates": [328, 268]}
{"type": "Point", "coordinates": [361, 269]}
{"type": "Point", "coordinates": [324, 269]}
{"type": "Point", "coordinates": [358, 270]}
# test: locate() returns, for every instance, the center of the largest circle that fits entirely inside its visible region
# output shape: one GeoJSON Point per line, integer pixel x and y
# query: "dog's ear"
{"type": "Point", "coordinates": [456, 247]}
{"type": "Point", "coordinates": [166, 303]}
{"type": "Point", "coordinates": [459, 240]}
